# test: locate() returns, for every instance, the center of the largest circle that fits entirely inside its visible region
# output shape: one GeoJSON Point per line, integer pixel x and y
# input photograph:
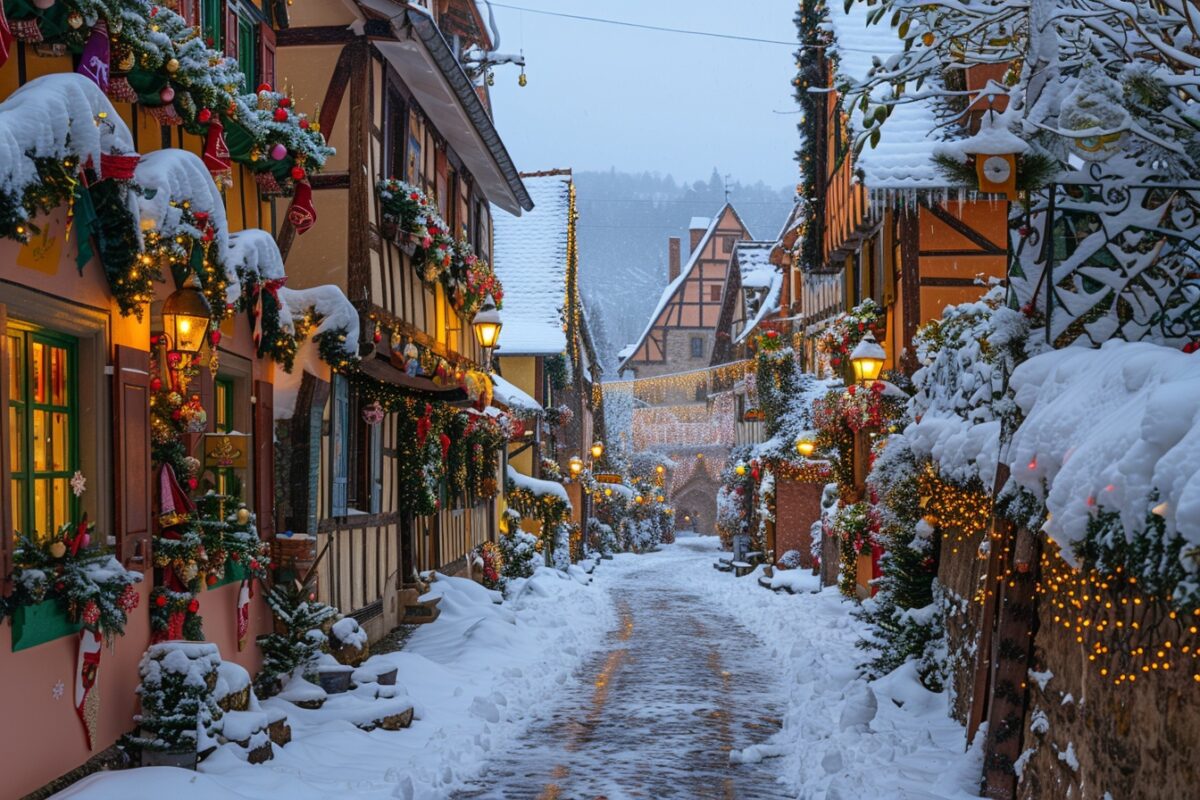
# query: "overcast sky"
{"type": "Point", "coordinates": [603, 96]}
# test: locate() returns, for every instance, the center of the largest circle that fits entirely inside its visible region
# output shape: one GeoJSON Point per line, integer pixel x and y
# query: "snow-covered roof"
{"type": "Point", "coordinates": [767, 303]}
{"type": "Point", "coordinates": [538, 487]}
{"type": "Point", "coordinates": [531, 261]}
{"type": "Point", "coordinates": [754, 261]}
{"type": "Point", "coordinates": [699, 223]}
{"type": "Point", "coordinates": [626, 351]}
{"type": "Point", "coordinates": [513, 396]}
{"type": "Point", "coordinates": [903, 159]}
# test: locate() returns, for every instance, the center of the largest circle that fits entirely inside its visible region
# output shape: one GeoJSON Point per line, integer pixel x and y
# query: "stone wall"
{"type": "Point", "coordinates": [962, 573]}
{"type": "Point", "coordinates": [797, 507]}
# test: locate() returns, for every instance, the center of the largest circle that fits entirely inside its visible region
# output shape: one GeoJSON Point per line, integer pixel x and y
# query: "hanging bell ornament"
{"type": "Point", "coordinates": [521, 79]}
{"type": "Point", "coordinates": [173, 65]}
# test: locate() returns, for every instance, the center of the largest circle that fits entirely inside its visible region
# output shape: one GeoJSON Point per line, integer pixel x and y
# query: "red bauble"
{"type": "Point", "coordinates": [177, 415]}
{"type": "Point", "coordinates": [205, 115]}
{"type": "Point", "coordinates": [263, 87]}
{"type": "Point", "coordinates": [214, 337]}
{"type": "Point", "coordinates": [281, 115]}
{"type": "Point", "coordinates": [303, 124]}
{"type": "Point", "coordinates": [154, 340]}
{"type": "Point", "coordinates": [298, 173]}
{"type": "Point", "coordinates": [378, 337]}
{"type": "Point", "coordinates": [211, 579]}
{"type": "Point", "coordinates": [160, 600]}
{"type": "Point", "coordinates": [155, 384]}
{"type": "Point", "coordinates": [234, 556]}
{"type": "Point", "coordinates": [253, 564]}
{"type": "Point", "coordinates": [285, 102]}
{"type": "Point", "coordinates": [194, 606]}
{"type": "Point", "coordinates": [193, 483]}
{"type": "Point", "coordinates": [154, 11]}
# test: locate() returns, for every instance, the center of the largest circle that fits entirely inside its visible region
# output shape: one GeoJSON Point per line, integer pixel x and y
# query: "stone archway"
{"type": "Point", "coordinates": [697, 499]}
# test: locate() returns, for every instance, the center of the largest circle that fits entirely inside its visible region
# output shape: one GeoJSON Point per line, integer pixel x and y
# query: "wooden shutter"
{"type": "Point", "coordinates": [206, 386]}
{"type": "Point", "coordinates": [264, 458]}
{"type": "Point", "coordinates": [131, 451]}
{"type": "Point", "coordinates": [340, 445]}
{"type": "Point", "coordinates": [375, 473]}
{"type": "Point", "coordinates": [231, 35]}
{"type": "Point", "coordinates": [6, 511]}
{"type": "Point", "coordinates": [266, 54]}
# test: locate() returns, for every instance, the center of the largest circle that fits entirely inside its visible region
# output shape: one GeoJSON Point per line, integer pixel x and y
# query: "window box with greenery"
{"type": "Point", "coordinates": [62, 584]}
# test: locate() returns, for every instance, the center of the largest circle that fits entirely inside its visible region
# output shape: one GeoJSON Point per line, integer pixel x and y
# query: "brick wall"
{"type": "Point", "coordinates": [797, 507]}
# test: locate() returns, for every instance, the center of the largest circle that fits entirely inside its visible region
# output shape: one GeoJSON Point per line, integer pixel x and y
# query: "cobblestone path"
{"type": "Point", "coordinates": [656, 711]}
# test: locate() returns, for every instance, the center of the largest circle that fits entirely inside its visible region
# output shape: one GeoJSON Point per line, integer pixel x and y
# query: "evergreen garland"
{"type": "Point", "coordinates": [814, 35]}
{"type": "Point", "coordinates": [130, 278]}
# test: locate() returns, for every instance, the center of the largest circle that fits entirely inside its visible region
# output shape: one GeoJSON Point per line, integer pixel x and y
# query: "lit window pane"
{"type": "Point", "coordinates": [58, 441]}
{"type": "Point", "coordinates": [16, 439]}
{"type": "Point", "coordinates": [39, 373]}
{"type": "Point", "coordinates": [16, 369]}
{"type": "Point", "coordinates": [62, 495]}
{"type": "Point", "coordinates": [58, 376]}
{"type": "Point", "coordinates": [41, 509]}
{"type": "Point", "coordinates": [41, 441]}
{"type": "Point", "coordinates": [18, 505]}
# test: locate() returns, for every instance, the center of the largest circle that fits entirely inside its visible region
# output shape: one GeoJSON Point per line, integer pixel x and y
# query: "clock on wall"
{"type": "Point", "coordinates": [997, 173]}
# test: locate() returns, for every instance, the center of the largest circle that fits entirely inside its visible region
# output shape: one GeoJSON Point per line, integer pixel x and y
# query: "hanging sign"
{"type": "Point", "coordinates": [226, 450]}
{"type": "Point", "coordinates": [606, 477]}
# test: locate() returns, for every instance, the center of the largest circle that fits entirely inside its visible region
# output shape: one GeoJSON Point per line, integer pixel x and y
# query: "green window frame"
{"type": "Point", "coordinates": [248, 50]}
{"type": "Point", "coordinates": [210, 21]}
{"type": "Point", "coordinates": [228, 482]}
{"type": "Point", "coordinates": [43, 419]}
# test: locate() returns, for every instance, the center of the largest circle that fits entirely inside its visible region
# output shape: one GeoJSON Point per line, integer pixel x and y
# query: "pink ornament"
{"type": "Point", "coordinates": [167, 94]}
{"type": "Point", "coordinates": [279, 152]}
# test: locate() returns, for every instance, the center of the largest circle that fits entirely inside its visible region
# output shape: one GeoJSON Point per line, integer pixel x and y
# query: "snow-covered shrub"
{"type": "Point", "coordinates": [177, 704]}
{"type": "Point", "coordinates": [602, 537]}
{"type": "Point", "coordinates": [299, 636]}
{"type": "Point", "coordinates": [519, 550]}
{"type": "Point", "coordinates": [790, 559]}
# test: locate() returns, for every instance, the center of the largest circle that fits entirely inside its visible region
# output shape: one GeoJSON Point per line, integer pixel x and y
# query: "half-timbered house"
{"type": "Point", "coordinates": [681, 333]}
{"type": "Point", "coordinates": [397, 101]}
{"type": "Point", "coordinates": [87, 360]}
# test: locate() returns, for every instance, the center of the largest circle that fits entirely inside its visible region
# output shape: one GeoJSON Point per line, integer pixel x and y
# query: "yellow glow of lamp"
{"type": "Point", "coordinates": [487, 325]}
{"type": "Point", "coordinates": [740, 469]}
{"type": "Point", "coordinates": [185, 317]}
{"type": "Point", "coordinates": [805, 444]}
{"type": "Point", "coordinates": [575, 464]}
{"type": "Point", "coordinates": [608, 492]}
{"type": "Point", "coordinates": [597, 450]}
{"type": "Point", "coordinates": [867, 359]}
{"type": "Point", "coordinates": [660, 469]}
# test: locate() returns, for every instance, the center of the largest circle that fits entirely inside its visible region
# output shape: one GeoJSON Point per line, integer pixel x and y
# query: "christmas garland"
{"type": "Point", "coordinates": [848, 329]}
{"type": "Point", "coordinates": [814, 35]}
{"type": "Point", "coordinates": [88, 582]}
{"type": "Point", "coordinates": [55, 186]}
{"type": "Point", "coordinates": [411, 219]}
{"type": "Point", "coordinates": [854, 526]}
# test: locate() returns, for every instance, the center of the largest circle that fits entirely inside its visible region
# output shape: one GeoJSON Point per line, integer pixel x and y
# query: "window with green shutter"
{"type": "Point", "coordinates": [43, 421]}
{"type": "Point", "coordinates": [247, 50]}
{"type": "Point", "coordinates": [210, 22]}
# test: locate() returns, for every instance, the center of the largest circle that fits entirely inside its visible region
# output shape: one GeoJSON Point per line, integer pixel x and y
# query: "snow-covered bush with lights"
{"type": "Point", "coordinates": [299, 637]}
{"type": "Point", "coordinates": [519, 551]}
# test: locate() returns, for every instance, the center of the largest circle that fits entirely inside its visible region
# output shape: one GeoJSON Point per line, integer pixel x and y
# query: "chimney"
{"type": "Point", "coordinates": [697, 228]}
{"type": "Point", "coordinates": [673, 245]}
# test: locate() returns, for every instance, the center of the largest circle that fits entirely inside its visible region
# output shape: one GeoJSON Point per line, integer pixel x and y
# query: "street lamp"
{"type": "Point", "coordinates": [805, 444]}
{"type": "Point", "coordinates": [575, 464]}
{"type": "Point", "coordinates": [740, 469]}
{"type": "Point", "coordinates": [185, 317]}
{"type": "Point", "coordinates": [597, 450]}
{"type": "Point", "coordinates": [867, 359]}
{"type": "Point", "coordinates": [487, 325]}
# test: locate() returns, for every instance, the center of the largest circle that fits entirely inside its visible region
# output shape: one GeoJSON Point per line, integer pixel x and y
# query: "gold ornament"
{"type": "Point", "coordinates": [75, 20]}
{"type": "Point", "coordinates": [58, 549]}
{"type": "Point", "coordinates": [521, 79]}
{"type": "Point", "coordinates": [126, 62]}
{"type": "Point", "coordinates": [173, 65]}
{"type": "Point", "coordinates": [243, 516]}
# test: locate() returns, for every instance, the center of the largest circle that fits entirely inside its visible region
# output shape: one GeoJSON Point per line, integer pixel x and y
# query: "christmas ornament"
{"type": "Point", "coordinates": [160, 600]}
{"type": "Point", "coordinates": [75, 20]}
{"type": "Point", "coordinates": [285, 102]}
{"type": "Point", "coordinates": [156, 384]}
{"type": "Point", "coordinates": [58, 549]}
{"type": "Point", "coordinates": [78, 484]}
{"type": "Point", "coordinates": [216, 152]}
{"type": "Point", "coordinates": [243, 516]}
{"type": "Point", "coordinates": [245, 593]}
{"type": "Point", "coordinates": [194, 606]}
{"type": "Point", "coordinates": [280, 115]}
{"type": "Point", "coordinates": [166, 95]}
{"type": "Point", "coordinates": [204, 116]}
{"type": "Point", "coordinates": [373, 414]}
{"type": "Point", "coordinates": [94, 60]}
{"type": "Point", "coordinates": [303, 123]}
{"type": "Point", "coordinates": [126, 62]}
{"type": "Point", "coordinates": [264, 88]}
{"type": "Point", "coordinates": [174, 504]}
{"type": "Point", "coordinates": [301, 213]}
{"type": "Point", "coordinates": [87, 664]}
{"type": "Point", "coordinates": [278, 152]}
{"type": "Point", "coordinates": [173, 65]}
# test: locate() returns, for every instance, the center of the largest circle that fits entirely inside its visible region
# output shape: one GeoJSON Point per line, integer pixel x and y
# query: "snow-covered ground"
{"type": "Point", "coordinates": [494, 687]}
{"type": "Point", "coordinates": [477, 677]}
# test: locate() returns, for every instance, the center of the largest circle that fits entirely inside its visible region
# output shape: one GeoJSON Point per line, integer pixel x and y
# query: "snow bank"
{"type": "Point", "coordinates": [1115, 429]}
{"type": "Point", "coordinates": [56, 116]}
{"type": "Point", "coordinates": [479, 675]}
{"type": "Point", "coordinates": [169, 178]}
{"type": "Point", "coordinates": [514, 397]}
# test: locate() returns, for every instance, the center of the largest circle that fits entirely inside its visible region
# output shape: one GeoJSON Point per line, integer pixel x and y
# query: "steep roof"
{"type": "Point", "coordinates": [903, 159]}
{"type": "Point", "coordinates": [674, 285]}
{"type": "Point", "coordinates": [761, 283]}
{"type": "Point", "coordinates": [531, 261]}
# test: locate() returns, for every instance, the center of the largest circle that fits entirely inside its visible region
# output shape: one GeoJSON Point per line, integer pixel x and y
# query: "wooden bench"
{"type": "Point", "coordinates": [742, 568]}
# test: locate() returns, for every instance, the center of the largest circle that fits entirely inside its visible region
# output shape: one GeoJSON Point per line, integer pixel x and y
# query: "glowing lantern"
{"type": "Point", "coordinates": [867, 359]}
